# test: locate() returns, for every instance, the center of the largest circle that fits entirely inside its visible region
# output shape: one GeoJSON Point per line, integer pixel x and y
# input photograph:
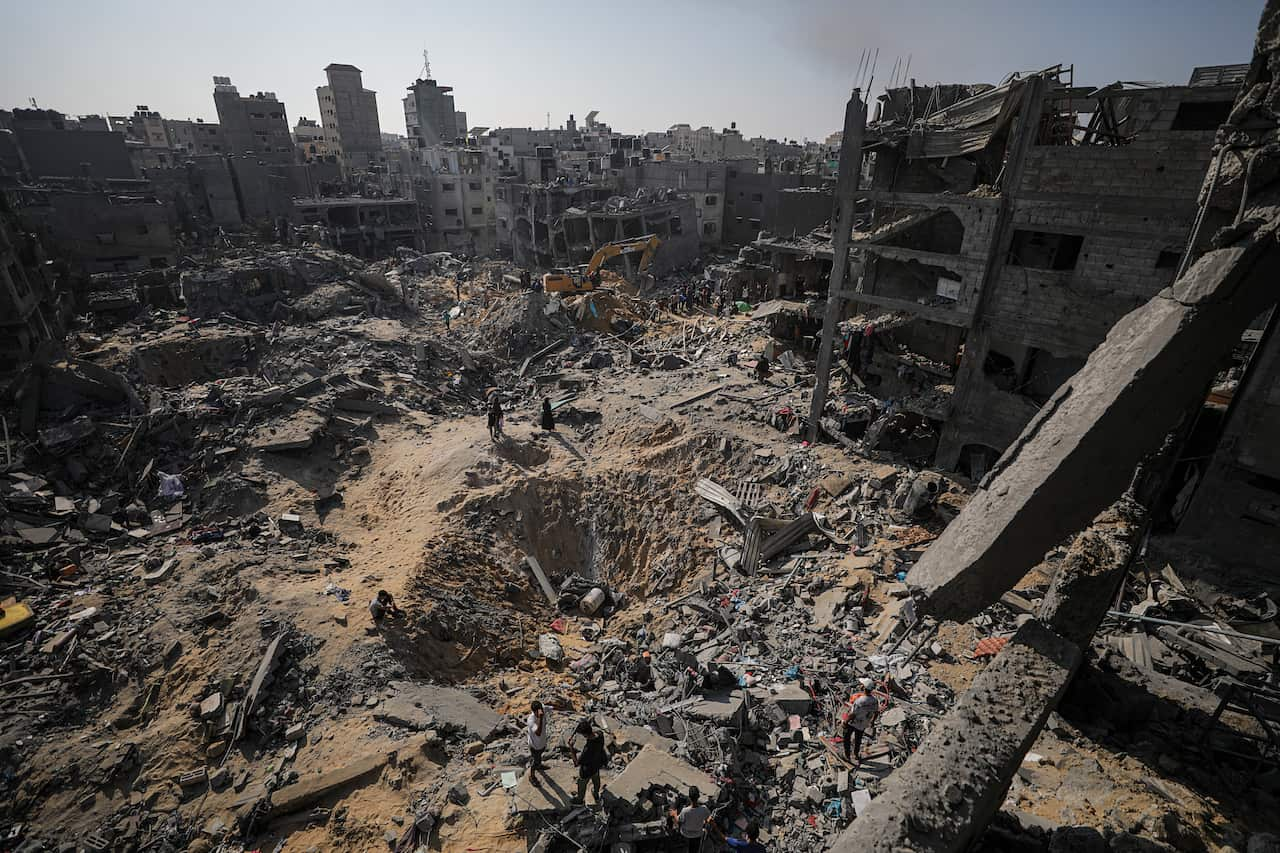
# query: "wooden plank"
{"type": "Point", "coordinates": [542, 579]}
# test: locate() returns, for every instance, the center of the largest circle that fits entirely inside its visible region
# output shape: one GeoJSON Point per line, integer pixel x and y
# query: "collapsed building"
{"type": "Point", "coordinates": [1015, 243]}
{"type": "Point", "coordinates": [561, 224]}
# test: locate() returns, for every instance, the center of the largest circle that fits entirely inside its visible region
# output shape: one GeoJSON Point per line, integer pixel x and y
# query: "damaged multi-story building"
{"type": "Point", "coordinates": [1003, 230]}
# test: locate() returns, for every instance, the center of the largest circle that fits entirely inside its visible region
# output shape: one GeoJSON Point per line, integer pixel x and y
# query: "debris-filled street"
{"type": "Point", "coordinates": [341, 524]}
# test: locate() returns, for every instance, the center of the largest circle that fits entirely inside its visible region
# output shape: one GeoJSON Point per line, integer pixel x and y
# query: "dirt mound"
{"type": "Point", "coordinates": [521, 323]}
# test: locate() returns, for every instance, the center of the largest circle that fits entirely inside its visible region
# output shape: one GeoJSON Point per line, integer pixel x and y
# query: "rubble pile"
{"type": "Point", "coordinates": [203, 500]}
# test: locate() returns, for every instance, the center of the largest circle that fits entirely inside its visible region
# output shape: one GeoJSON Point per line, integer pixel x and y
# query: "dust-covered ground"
{"type": "Point", "coordinates": [345, 451]}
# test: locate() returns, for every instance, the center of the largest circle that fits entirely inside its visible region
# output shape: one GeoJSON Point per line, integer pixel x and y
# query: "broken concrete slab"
{"type": "Point", "coordinates": [310, 789]}
{"type": "Point", "coordinates": [655, 768]}
{"type": "Point", "coordinates": [266, 666]}
{"type": "Point", "coordinates": [426, 706]}
{"type": "Point", "coordinates": [297, 433]}
{"type": "Point", "coordinates": [956, 781]}
{"type": "Point", "coordinates": [161, 574]}
{"type": "Point", "coordinates": [720, 708]}
{"type": "Point", "coordinates": [558, 785]}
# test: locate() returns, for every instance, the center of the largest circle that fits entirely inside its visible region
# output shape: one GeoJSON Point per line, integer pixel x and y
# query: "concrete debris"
{"type": "Point", "coordinates": [291, 541]}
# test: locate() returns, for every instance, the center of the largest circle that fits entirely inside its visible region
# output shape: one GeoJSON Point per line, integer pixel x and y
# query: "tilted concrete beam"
{"type": "Point", "coordinates": [953, 785]}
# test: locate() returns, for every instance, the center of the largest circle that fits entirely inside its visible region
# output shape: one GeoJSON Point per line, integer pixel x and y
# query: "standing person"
{"type": "Point", "coordinates": [495, 416]}
{"type": "Point", "coordinates": [539, 729]}
{"type": "Point", "coordinates": [692, 821]}
{"type": "Point", "coordinates": [590, 761]}
{"type": "Point", "coordinates": [752, 844]}
{"type": "Point", "coordinates": [548, 419]}
{"type": "Point", "coordinates": [762, 368]}
{"type": "Point", "coordinates": [859, 716]}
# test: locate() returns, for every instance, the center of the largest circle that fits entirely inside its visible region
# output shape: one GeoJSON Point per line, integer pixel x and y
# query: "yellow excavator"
{"type": "Point", "coordinates": [573, 281]}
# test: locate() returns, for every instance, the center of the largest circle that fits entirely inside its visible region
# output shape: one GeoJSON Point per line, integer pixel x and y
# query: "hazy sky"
{"type": "Point", "coordinates": [781, 68]}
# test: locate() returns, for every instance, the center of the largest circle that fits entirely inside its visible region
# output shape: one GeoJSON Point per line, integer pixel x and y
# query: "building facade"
{"type": "Point", "coordinates": [349, 117]}
{"type": "Point", "coordinates": [429, 114]}
{"type": "Point", "coordinates": [255, 124]}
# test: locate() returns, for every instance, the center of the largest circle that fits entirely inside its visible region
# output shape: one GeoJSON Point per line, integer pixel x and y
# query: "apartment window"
{"type": "Point", "coordinates": [732, 173]}
{"type": "Point", "coordinates": [501, 193]}
{"type": "Point", "coordinates": [476, 211]}
{"type": "Point", "coordinates": [754, 223]}
{"type": "Point", "coordinates": [677, 227]}
{"type": "Point", "coordinates": [1043, 250]}
{"type": "Point", "coordinates": [1168, 259]}
{"type": "Point", "coordinates": [142, 228]}
{"type": "Point", "coordinates": [1204, 115]}
{"type": "Point", "coordinates": [757, 196]}
{"type": "Point", "coordinates": [711, 201]}
{"type": "Point", "coordinates": [708, 229]}
{"type": "Point", "coordinates": [447, 187]}
{"type": "Point", "coordinates": [473, 185]}
{"type": "Point", "coordinates": [451, 211]}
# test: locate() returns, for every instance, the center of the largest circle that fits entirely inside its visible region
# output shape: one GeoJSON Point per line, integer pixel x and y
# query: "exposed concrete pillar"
{"type": "Point", "coordinates": [855, 119]}
{"type": "Point", "coordinates": [951, 787]}
{"type": "Point", "coordinates": [956, 431]}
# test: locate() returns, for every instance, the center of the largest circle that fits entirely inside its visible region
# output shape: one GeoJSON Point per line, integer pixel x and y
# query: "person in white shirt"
{"type": "Point", "coordinates": [539, 728]}
{"type": "Point", "coordinates": [859, 715]}
{"type": "Point", "coordinates": [692, 821]}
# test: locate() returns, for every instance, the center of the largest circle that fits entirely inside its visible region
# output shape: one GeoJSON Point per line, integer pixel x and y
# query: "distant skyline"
{"type": "Point", "coordinates": [778, 70]}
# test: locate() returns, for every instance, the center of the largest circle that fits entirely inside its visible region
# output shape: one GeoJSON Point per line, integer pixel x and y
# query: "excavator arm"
{"type": "Point", "coordinates": [647, 244]}
{"type": "Point", "coordinates": [563, 282]}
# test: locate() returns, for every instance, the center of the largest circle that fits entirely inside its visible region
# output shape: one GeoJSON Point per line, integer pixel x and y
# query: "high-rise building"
{"type": "Point", "coordinates": [349, 115]}
{"type": "Point", "coordinates": [429, 115]}
{"type": "Point", "coordinates": [255, 124]}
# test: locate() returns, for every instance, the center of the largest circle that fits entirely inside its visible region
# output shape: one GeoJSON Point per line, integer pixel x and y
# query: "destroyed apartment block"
{"type": "Point", "coordinates": [1012, 245]}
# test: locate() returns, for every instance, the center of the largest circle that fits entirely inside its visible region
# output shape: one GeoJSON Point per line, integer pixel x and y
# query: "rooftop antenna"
{"type": "Point", "coordinates": [426, 65]}
{"type": "Point", "coordinates": [874, 60]}
{"type": "Point", "coordinates": [34, 105]}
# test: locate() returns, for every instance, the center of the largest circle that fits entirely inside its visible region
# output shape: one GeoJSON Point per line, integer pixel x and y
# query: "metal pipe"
{"type": "Point", "coordinates": [1208, 629]}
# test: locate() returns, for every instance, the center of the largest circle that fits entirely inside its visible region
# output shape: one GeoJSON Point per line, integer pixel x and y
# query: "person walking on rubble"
{"type": "Point", "coordinates": [539, 731]}
{"type": "Point", "coordinates": [590, 761]}
{"type": "Point", "coordinates": [692, 821]}
{"type": "Point", "coordinates": [859, 715]}
{"type": "Point", "coordinates": [495, 417]}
